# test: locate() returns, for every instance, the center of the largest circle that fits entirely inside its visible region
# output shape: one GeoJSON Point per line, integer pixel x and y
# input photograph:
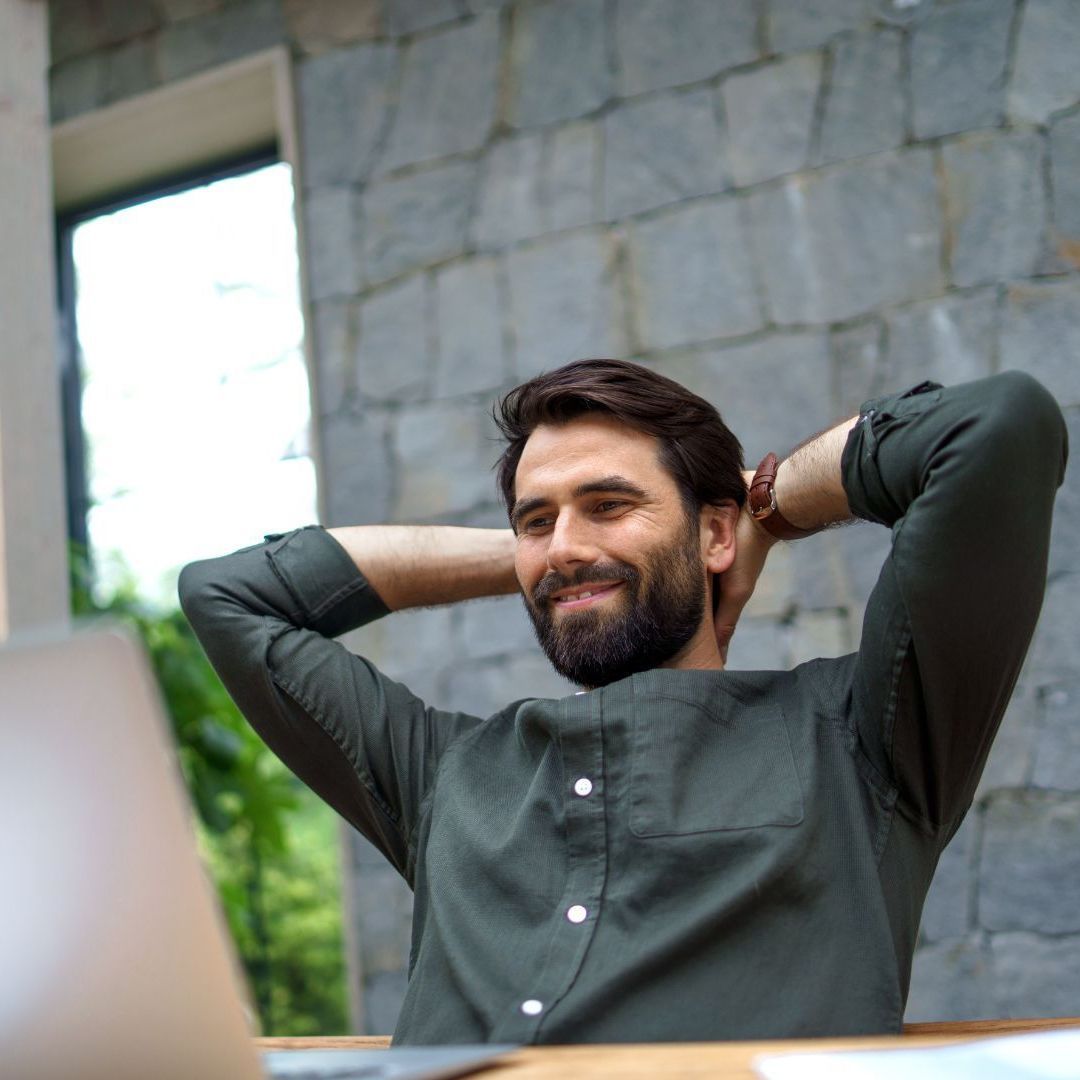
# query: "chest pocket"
{"type": "Point", "coordinates": [704, 769]}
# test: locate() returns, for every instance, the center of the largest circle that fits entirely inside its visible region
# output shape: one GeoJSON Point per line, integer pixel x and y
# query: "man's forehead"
{"type": "Point", "coordinates": [600, 444]}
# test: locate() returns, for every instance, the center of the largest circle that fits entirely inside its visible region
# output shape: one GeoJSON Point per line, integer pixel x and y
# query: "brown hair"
{"type": "Point", "coordinates": [696, 447]}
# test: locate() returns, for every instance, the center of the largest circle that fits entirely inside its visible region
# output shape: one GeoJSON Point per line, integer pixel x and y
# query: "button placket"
{"type": "Point", "coordinates": [580, 747]}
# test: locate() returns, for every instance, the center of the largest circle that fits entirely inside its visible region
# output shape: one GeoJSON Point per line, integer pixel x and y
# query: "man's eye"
{"type": "Point", "coordinates": [537, 523]}
{"type": "Point", "coordinates": [609, 505]}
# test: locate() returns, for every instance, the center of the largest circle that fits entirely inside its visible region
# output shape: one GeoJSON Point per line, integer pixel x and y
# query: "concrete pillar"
{"type": "Point", "coordinates": [33, 530]}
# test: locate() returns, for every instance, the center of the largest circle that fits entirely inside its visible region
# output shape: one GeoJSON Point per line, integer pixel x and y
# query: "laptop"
{"type": "Point", "coordinates": [114, 958]}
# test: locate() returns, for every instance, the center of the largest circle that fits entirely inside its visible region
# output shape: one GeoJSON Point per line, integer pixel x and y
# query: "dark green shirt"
{"type": "Point", "coordinates": [682, 854]}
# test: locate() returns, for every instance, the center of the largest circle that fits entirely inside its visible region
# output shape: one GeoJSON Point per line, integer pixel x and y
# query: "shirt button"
{"type": "Point", "coordinates": [577, 913]}
{"type": "Point", "coordinates": [583, 786]}
{"type": "Point", "coordinates": [532, 1007]}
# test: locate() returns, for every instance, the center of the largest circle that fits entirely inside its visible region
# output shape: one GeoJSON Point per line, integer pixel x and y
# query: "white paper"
{"type": "Point", "coordinates": [1044, 1055]}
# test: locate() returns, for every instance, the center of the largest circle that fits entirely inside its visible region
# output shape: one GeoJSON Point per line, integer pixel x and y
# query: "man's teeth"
{"type": "Point", "coordinates": [576, 596]}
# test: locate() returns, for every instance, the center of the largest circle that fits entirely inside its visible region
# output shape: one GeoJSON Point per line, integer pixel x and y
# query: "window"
{"type": "Point", "coordinates": [192, 386]}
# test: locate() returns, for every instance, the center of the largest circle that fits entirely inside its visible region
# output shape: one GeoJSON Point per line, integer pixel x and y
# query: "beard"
{"type": "Point", "coordinates": [659, 612]}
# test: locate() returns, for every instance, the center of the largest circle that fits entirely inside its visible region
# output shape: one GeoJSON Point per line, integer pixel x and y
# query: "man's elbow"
{"type": "Point", "coordinates": [1022, 418]}
{"type": "Point", "coordinates": [197, 588]}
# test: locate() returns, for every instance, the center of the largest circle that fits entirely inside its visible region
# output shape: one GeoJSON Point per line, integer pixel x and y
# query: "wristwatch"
{"type": "Point", "coordinates": [762, 503]}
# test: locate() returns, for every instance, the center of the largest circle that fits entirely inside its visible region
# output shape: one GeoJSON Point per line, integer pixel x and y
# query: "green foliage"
{"type": "Point", "coordinates": [269, 843]}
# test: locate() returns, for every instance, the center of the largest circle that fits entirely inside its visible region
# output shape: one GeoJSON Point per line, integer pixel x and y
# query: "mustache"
{"type": "Point", "coordinates": [553, 581]}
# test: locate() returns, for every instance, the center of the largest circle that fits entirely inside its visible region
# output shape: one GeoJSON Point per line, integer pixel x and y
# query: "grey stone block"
{"type": "Point", "coordinates": [359, 470]}
{"type": "Point", "coordinates": [865, 548]}
{"type": "Point", "coordinates": [1035, 976]}
{"type": "Point", "coordinates": [78, 27]}
{"type": "Point", "coordinates": [469, 329]}
{"type": "Point", "coordinates": [77, 86]}
{"type": "Point", "coordinates": [565, 301]}
{"type": "Point", "coordinates": [996, 206]}
{"type": "Point", "coordinates": [1029, 871]}
{"type": "Point", "coordinates": [948, 909]}
{"type": "Point", "coordinates": [1009, 763]}
{"type": "Point", "coordinates": [384, 994]}
{"type": "Point", "coordinates": [334, 339]}
{"type": "Point", "coordinates": [951, 981]}
{"type": "Point", "coordinates": [315, 26]}
{"type": "Point", "coordinates": [416, 220]}
{"type": "Point", "coordinates": [445, 453]}
{"type": "Point", "coordinates": [559, 62]}
{"type": "Point", "coordinates": [819, 633]}
{"type": "Point", "coordinates": [661, 150]}
{"type": "Point", "coordinates": [1046, 76]}
{"type": "Point", "coordinates": [240, 29]}
{"type": "Point", "coordinates": [805, 24]}
{"type": "Point", "coordinates": [510, 205]}
{"type": "Point", "coordinates": [408, 641]}
{"type": "Point", "coordinates": [759, 644]}
{"type": "Point", "coordinates": [573, 162]}
{"type": "Point", "coordinates": [1040, 334]}
{"type": "Point", "coordinates": [393, 361]}
{"type": "Point", "coordinates": [1056, 644]}
{"type": "Point", "coordinates": [175, 10]}
{"type": "Point", "coordinates": [794, 366]}
{"type": "Point", "coordinates": [130, 69]}
{"type": "Point", "coordinates": [448, 90]}
{"type": "Point", "coordinates": [332, 239]}
{"type": "Point", "coordinates": [858, 360]}
{"type": "Point", "coordinates": [1064, 549]}
{"type": "Point", "coordinates": [770, 113]}
{"type": "Point", "coordinates": [409, 16]}
{"type": "Point", "coordinates": [496, 627]}
{"type": "Point", "coordinates": [1064, 173]}
{"type": "Point", "coordinates": [484, 687]}
{"type": "Point", "coordinates": [850, 238]}
{"type": "Point", "coordinates": [692, 276]}
{"type": "Point", "coordinates": [958, 58]}
{"type": "Point", "coordinates": [660, 43]}
{"type": "Point", "coordinates": [343, 101]}
{"type": "Point", "coordinates": [949, 340]}
{"type": "Point", "coordinates": [820, 577]}
{"type": "Point", "coordinates": [864, 106]}
{"type": "Point", "coordinates": [1057, 746]}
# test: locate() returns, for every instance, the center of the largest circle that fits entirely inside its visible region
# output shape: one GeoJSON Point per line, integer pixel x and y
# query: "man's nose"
{"type": "Point", "coordinates": [571, 544]}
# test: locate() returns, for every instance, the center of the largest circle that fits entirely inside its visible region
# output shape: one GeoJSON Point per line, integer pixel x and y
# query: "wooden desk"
{"type": "Point", "coordinates": [683, 1061]}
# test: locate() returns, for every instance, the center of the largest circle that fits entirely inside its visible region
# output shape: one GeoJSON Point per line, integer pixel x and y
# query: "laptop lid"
{"type": "Point", "coordinates": [115, 961]}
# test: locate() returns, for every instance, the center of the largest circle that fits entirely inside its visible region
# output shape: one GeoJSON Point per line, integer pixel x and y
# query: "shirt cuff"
{"type": "Point", "coordinates": [860, 474]}
{"type": "Point", "coordinates": [332, 596]}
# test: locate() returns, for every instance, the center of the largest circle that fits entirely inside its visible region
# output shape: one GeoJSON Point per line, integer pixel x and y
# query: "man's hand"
{"type": "Point", "coordinates": [737, 583]}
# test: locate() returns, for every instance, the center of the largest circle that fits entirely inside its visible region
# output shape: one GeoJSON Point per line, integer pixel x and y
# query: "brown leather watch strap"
{"type": "Point", "coordinates": [762, 502]}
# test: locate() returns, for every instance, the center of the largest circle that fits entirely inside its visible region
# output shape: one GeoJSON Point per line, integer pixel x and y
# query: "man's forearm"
{"type": "Point", "coordinates": [809, 490]}
{"type": "Point", "coordinates": [423, 565]}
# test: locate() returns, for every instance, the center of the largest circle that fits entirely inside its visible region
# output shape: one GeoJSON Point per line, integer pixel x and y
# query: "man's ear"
{"type": "Point", "coordinates": [718, 535]}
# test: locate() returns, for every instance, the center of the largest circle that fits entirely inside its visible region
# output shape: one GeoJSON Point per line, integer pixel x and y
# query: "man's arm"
{"type": "Point", "coordinates": [426, 565]}
{"type": "Point", "coordinates": [267, 616]}
{"type": "Point", "coordinates": [965, 479]}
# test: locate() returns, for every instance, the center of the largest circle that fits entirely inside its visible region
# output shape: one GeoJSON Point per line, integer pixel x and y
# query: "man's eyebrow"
{"type": "Point", "coordinates": [612, 483]}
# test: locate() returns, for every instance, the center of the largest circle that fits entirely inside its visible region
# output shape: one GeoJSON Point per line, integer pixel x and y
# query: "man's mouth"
{"type": "Point", "coordinates": [585, 596]}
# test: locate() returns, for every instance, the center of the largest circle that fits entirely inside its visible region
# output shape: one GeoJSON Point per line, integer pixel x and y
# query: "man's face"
{"type": "Point", "coordinates": [609, 562]}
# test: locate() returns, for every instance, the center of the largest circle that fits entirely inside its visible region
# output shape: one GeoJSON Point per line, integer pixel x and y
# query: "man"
{"type": "Point", "coordinates": [676, 851]}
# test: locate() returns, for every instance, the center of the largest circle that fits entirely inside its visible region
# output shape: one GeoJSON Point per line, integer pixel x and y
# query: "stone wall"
{"type": "Point", "coordinates": [829, 198]}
